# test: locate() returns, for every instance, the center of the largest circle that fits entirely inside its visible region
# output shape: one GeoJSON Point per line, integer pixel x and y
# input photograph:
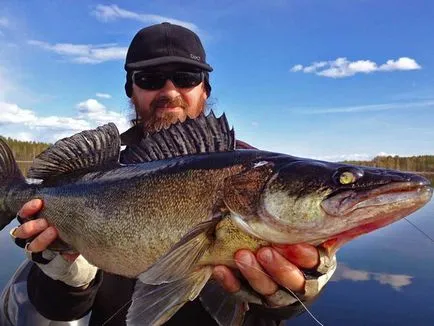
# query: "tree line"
{"type": "Point", "coordinates": [25, 150]}
{"type": "Point", "coordinates": [421, 163]}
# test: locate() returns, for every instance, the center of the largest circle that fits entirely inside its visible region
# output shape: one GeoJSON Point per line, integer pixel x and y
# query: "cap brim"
{"type": "Point", "coordinates": [165, 60]}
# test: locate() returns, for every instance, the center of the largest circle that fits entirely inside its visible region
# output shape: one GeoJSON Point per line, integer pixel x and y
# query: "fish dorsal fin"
{"type": "Point", "coordinates": [204, 134]}
{"type": "Point", "coordinates": [8, 166]}
{"type": "Point", "coordinates": [86, 151]}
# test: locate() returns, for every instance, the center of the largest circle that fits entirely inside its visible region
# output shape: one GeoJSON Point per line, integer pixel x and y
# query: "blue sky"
{"type": "Point", "coordinates": [323, 79]}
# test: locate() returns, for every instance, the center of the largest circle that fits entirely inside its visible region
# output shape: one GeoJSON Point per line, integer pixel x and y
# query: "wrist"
{"type": "Point", "coordinates": [78, 273]}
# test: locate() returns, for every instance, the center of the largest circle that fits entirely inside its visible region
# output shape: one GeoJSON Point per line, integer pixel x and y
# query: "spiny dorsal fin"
{"type": "Point", "coordinates": [81, 153]}
{"type": "Point", "coordinates": [204, 134]}
{"type": "Point", "coordinates": [8, 166]}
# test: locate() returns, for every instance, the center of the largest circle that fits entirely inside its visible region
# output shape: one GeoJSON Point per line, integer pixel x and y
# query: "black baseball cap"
{"type": "Point", "coordinates": [165, 43]}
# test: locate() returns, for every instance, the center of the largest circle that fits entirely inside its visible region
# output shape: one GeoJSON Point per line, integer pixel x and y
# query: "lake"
{"type": "Point", "coordinates": [383, 278]}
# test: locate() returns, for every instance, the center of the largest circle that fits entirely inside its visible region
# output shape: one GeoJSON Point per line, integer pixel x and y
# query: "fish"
{"type": "Point", "coordinates": [185, 199]}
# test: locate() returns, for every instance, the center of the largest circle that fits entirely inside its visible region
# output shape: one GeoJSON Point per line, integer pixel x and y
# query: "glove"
{"type": "Point", "coordinates": [77, 273]}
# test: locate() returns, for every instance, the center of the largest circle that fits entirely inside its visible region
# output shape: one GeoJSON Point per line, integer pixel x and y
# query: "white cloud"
{"type": "Point", "coordinates": [365, 66]}
{"type": "Point", "coordinates": [354, 274]}
{"type": "Point", "coordinates": [400, 64]}
{"type": "Point", "coordinates": [4, 22]}
{"type": "Point", "coordinates": [342, 67]}
{"type": "Point", "coordinates": [297, 68]}
{"type": "Point", "coordinates": [84, 53]}
{"type": "Point", "coordinates": [112, 12]}
{"type": "Point", "coordinates": [385, 154]}
{"type": "Point", "coordinates": [396, 281]}
{"type": "Point", "coordinates": [365, 108]}
{"type": "Point", "coordinates": [91, 106]}
{"type": "Point", "coordinates": [12, 114]}
{"type": "Point", "coordinates": [25, 124]}
{"type": "Point", "coordinates": [103, 95]}
{"type": "Point", "coordinates": [344, 157]}
{"type": "Point", "coordinates": [98, 113]}
{"type": "Point", "coordinates": [314, 66]}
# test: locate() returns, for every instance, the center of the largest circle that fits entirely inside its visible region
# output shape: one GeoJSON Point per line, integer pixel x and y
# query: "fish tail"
{"type": "Point", "coordinates": [10, 177]}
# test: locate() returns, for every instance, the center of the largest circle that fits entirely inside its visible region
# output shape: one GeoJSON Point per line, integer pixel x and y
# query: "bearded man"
{"type": "Point", "coordinates": [167, 80]}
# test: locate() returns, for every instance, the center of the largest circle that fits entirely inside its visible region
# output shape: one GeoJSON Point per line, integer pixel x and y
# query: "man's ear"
{"type": "Point", "coordinates": [204, 93]}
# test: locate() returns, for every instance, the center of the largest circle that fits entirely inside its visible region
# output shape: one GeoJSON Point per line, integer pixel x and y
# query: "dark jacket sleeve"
{"type": "Point", "coordinates": [57, 301]}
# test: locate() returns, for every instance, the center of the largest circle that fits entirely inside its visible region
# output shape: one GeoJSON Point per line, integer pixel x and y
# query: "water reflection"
{"type": "Point", "coordinates": [396, 281]}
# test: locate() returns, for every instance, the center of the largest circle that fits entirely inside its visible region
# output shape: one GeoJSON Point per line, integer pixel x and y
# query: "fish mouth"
{"type": "Point", "coordinates": [368, 210]}
{"type": "Point", "coordinates": [348, 201]}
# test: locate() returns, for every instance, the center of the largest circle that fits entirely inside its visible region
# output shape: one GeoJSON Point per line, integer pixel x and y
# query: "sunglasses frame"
{"type": "Point", "coordinates": [167, 75]}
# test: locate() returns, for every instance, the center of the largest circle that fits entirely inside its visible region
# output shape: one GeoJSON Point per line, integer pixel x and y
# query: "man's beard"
{"type": "Point", "coordinates": [154, 121]}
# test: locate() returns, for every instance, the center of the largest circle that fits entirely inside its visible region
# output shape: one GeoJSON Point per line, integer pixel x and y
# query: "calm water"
{"type": "Point", "coordinates": [383, 278]}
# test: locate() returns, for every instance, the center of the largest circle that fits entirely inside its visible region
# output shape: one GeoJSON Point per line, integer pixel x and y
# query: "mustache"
{"type": "Point", "coordinates": [169, 102]}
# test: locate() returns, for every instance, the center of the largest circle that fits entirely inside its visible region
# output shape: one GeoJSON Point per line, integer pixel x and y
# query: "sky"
{"type": "Point", "coordinates": [332, 80]}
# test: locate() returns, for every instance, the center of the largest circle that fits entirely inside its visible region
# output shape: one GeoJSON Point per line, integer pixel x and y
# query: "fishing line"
{"type": "Point", "coordinates": [117, 311]}
{"type": "Point", "coordinates": [304, 306]}
{"type": "Point", "coordinates": [417, 228]}
{"type": "Point", "coordinates": [289, 290]}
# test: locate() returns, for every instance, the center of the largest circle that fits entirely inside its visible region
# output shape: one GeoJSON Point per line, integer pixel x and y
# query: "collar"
{"type": "Point", "coordinates": [132, 136]}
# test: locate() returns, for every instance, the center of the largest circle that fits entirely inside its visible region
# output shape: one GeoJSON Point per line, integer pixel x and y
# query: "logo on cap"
{"type": "Point", "coordinates": [195, 57]}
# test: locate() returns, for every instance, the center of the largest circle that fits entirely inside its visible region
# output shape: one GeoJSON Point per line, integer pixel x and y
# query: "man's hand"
{"type": "Point", "coordinates": [71, 269]}
{"type": "Point", "coordinates": [38, 228]}
{"type": "Point", "coordinates": [270, 268]}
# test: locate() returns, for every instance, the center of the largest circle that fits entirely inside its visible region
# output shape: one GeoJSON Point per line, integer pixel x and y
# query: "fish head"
{"type": "Point", "coordinates": [324, 203]}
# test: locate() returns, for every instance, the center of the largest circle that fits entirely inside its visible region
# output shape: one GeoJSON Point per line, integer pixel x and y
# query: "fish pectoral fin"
{"type": "Point", "coordinates": [155, 304]}
{"type": "Point", "coordinates": [227, 309]}
{"type": "Point", "coordinates": [182, 258]}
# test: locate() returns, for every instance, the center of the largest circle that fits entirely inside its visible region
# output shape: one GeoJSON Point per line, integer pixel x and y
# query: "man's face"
{"type": "Point", "coordinates": [165, 106]}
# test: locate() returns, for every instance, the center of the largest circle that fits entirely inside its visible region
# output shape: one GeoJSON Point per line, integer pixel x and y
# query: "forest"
{"type": "Point", "coordinates": [23, 150]}
{"type": "Point", "coordinates": [422, 163]}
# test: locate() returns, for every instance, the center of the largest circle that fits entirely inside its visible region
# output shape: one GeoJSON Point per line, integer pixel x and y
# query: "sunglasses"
{"type": "Point", "coordinates": [156, 80]}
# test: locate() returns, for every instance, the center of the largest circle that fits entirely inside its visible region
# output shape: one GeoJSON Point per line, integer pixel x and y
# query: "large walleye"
{"type": "Point", "coordinates": [188, 200]}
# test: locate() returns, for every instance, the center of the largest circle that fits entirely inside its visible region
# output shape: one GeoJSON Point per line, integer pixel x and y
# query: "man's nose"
{"type": "Point", "coordinates": [169, 86]}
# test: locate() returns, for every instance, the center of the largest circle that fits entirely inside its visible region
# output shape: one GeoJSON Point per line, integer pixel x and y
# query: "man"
{"type": "Point", "coordinates": [167, 80]}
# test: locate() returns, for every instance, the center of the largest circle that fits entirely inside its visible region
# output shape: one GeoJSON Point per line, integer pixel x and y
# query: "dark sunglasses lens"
{"type": "Point", "coordinates": [187, 79]}
{"type": "Point", "coordinates": [151, 81]}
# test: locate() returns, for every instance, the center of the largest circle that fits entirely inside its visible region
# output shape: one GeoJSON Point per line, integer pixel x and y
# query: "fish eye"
{"type": "Point", "coordinates": [347, 177]}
